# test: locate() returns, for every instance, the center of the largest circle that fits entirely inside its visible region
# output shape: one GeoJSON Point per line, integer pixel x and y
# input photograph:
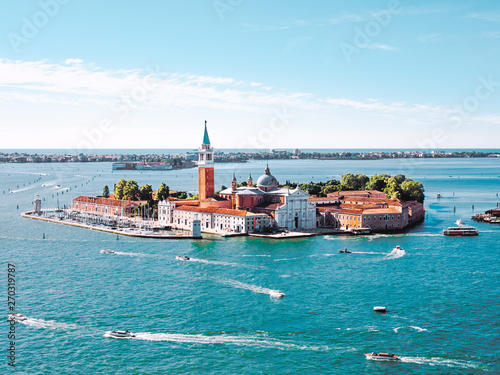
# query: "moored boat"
{"type": "Point", "coordinates": [382, 356]}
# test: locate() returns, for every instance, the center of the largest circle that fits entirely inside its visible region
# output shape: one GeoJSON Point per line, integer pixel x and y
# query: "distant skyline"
{"type": "Point", "coordinates": [282, 74]}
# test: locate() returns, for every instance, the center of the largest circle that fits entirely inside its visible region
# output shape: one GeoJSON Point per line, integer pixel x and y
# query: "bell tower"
{"type": "Point", "coordinates": [205, 168]}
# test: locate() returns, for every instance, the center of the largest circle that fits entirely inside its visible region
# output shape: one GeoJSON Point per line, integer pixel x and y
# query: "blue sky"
{"type": "Point", "coordinates": [325, 74]}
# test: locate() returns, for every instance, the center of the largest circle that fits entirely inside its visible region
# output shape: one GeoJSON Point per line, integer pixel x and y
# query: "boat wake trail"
{"type": "Point", "coordinates": [285, 259]}
{"type": "Point", "coordinates": [412, 327]}
{"type": "Point", "coordinates": [437, 361]}
{"type": "Point", "coordinates": [129, 254]}
{"type": "Point", "coordinates": [218, 263]}
{"type": "Point", "coordinates": [395, 254]}
{"type": "Point", "coordinates": [256, 341]}
{"type": "Point", "coordinates": [365, 252]}
{"type": "Point", "coordinates": [240, 285]}
{"type": "Point", "coordinates": [50, 324]}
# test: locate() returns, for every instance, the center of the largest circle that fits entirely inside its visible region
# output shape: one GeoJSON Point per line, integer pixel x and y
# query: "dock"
{"type": "Point", "coordinates": [130, 232]}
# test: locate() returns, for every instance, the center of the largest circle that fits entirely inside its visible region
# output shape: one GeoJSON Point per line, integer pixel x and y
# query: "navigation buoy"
{"type": "Point", "coordinates": [43, 236]}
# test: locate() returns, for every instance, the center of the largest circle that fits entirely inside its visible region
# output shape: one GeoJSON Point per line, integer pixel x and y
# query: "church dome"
{"type": "Point", "coordinates": [267, 181]}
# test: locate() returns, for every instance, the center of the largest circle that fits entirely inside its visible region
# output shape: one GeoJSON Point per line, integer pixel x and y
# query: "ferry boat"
{"type": "Point", "coordinates": [461, 231]}
{"type": "Point", "coordinates": [382, 356]}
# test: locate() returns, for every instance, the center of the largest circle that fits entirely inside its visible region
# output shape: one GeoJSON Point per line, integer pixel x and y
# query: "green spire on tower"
{"type": "Point", "coordinates": [206, 140]}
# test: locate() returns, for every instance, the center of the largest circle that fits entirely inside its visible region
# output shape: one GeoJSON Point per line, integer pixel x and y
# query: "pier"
{"type": "Point", "coordinates": [131, 232]}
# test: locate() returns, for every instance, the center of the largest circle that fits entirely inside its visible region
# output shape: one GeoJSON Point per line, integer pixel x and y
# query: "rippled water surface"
{"type": "Point", "coordinates": [214, 314]}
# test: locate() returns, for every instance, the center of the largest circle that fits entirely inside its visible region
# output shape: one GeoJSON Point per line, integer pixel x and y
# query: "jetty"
{"type": "Point", "coordinates": [130, 232]}
{"type": "Point", "coordinates": [491, 216]}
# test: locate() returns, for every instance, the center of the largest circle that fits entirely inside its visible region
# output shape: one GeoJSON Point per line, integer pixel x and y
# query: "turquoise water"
{"type": "Point", "coordinates": [214, 314]}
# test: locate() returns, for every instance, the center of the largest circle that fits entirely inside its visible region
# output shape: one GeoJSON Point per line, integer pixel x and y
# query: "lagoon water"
{"type": "Point", "coordinates": [215, 314]}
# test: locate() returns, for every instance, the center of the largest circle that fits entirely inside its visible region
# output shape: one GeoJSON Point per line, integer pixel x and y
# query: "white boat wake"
{"type": "Point", "coordinates": [50, 324]}
{"type": "Point", "coordinates": [129, 254]}
{"type": "Point", "coordinates": [240, 285]}
{"type": "Point", "coordinates": [395, 254]}
{"type": "Point", "coordinates": [437, 361]}
{"type": "Point", "coordinates": [217, 262]}
{"type": "Point", "coordinates": [285, 259]}
{"type": "Point", "coordinates": [412, 327]}
{"type": "Point", "coordinates": [256, 341]}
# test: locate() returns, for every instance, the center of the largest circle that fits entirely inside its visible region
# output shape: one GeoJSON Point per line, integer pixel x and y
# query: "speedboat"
{"type": "Point", "coordinates": [461, 231]}
{"type": "Point", "coordinates": [380, 309]}
{"type": "Point", "coordinates": [276, 293]}
{"type": "Point", "coordinates": [18, 317]}
{"type": "Point", "coordinates": [382, 356]}
{"type": "Point", "coordinates": [439, 195]}
{"type": "Point", "coordinates": [398, 247]}
{"type": "Point", "coordinates": [106, 251]}
{"type": "Point", "coordinates": [345, 251]}
{"type": "Point", "coordinates": [120, 334]}
{"type": "Point", "coordinates": [182, 257]}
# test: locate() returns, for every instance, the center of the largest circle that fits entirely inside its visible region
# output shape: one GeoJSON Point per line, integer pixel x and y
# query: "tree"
{"type": "Point", "coordinates": [163, 192]}
{"type": "Point", "coordinates": [118, 192]}
{"type": "Point", "coordinates": [400, 178]}
{"type": "Point", "coordinates": [130, 190]}
{"type": "Point", "coordinates": [353, 181]}
{"type": "Point", "coordinates": [105, 192]}
{"type": "Point", "coordinates": [146, 193]}
{"type": "Point", "coordinates": [377, 182]}
{"type": "Point", "coordinates": [393, 189]}
{"type": "Point", "coordinates": [412, 191]}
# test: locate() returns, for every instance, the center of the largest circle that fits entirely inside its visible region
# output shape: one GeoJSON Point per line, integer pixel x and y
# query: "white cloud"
{"type": "Point", "coordinates": [80, 84]}
{"type": "Point", "coordinates": [489, 17]}
{"type": "Point", "coordinates": [491, 35]}
{"type": "Point", "coordinates": [428, 38]}
{"type": "Point", "coordinates": [73, 61]}
{"type": "Point", "coordinates": [384, 47]}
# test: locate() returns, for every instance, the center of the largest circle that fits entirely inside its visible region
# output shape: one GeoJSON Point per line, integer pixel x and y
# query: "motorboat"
{"type": "Point", "coordinates": [398, 247]}
{"type": "Point", "coordinates": [120, 334]}
{"type": "Point", "coordinates": [380, 309]}
{"type": "Point", "coordinates": [276, 293]}
{"type": "Point", "coordinates": [106, 251]}
{"type": "Point", "coordinates": [345, 251]}
{"type": "Point", "coordinates": [461, 231]}
{"type": "Point", "coordinates": [182, 257]}
{"type": "Point", "coordinates": [459, 222]}
{"type": "Point", "coordinates": [18, 317]}
{"type": "Point", "coordinates": [439, 195]}
{"type": "Point", "coordinates": [382, 356]}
